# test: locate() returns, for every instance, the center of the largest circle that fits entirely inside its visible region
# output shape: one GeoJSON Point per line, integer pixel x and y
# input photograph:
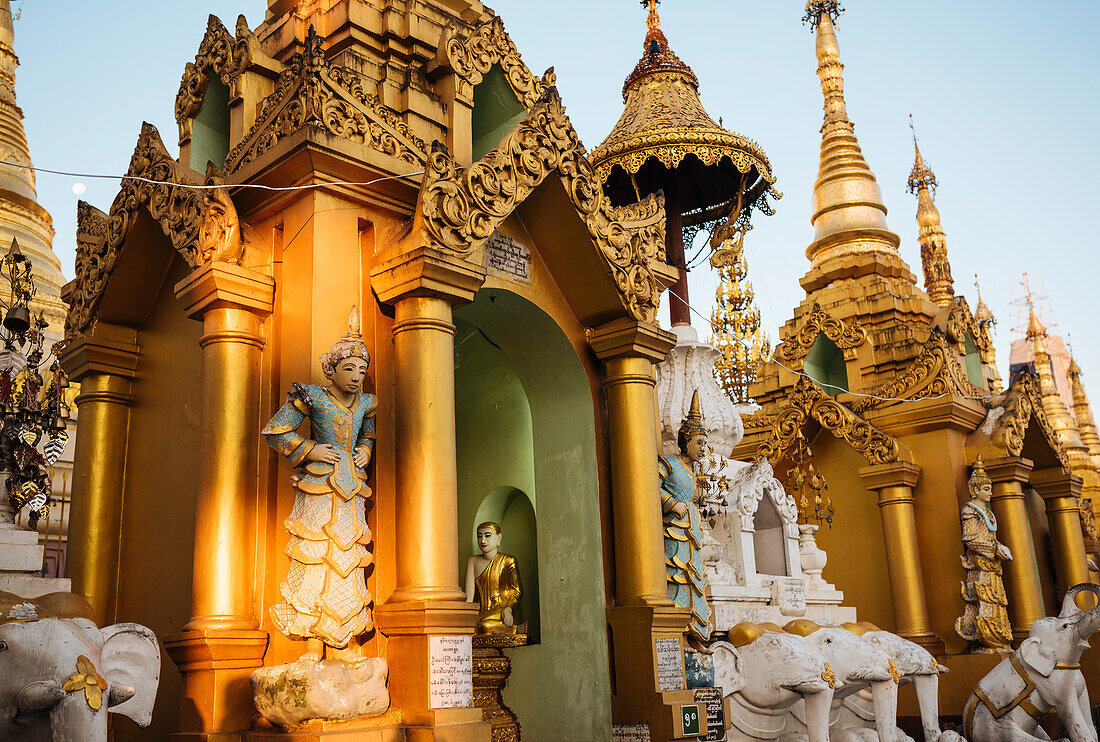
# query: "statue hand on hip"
{"type": "Point", "coordinates": [324, 453]}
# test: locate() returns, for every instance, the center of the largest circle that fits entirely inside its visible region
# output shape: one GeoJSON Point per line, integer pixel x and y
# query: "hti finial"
{"type": "Point", "coordinates": [653, 20]}
{"type": "Point", "coordinates": [921, 176]}
{"type": "Point", "coordinates": [816, 8]}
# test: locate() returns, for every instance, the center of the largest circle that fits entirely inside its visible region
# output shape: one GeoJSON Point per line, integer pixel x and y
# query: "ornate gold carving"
{"type": "Point", "coordinates": [935, 372]}
{"type": "Point", "coordinates": [219, 54]}
{"type": "Point", "coordinates": [809, 401]}
{"type": "Point", "coordinates": [201, 224]}
{"type": "Point", "coordinates": [472, 56]}
{"type": "Point", "coordinates": [312, 93]}
{"type": "Point", "coordinates": [457, 212]}
{"type": "Point", "coordinates": [795, 347]}
{"type": "Point", "coordinates": [1022, 403]}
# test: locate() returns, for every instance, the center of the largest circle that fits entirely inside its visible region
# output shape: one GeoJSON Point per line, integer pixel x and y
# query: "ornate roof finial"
{"type": "Point", "coordinates": [816, 8]}
{"type": "Point", "coordinates": [981, 312]}
{"type": "Point", "coordinates": [653, 19]}
{"type": "Point", "coordinates": [656, 54]}
{"type": "Point", "coordinates": [933, 242]}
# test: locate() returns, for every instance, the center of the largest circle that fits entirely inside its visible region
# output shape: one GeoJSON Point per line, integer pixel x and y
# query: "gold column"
{"type": "Point", "coordinates": [1025, 593]}
{"type": "Point", "coordinates": [1060, 490]}
{"type": "Point", "coordinates": [423, 285]}
{"type": "Point", "coordinates": [894, 484]}
{"type": "Point", "coordinates": [104, 361]}
{"type": "Point", "coordinates": [643, 614]}
{"type": "Point", "coordinates": [221, 644]}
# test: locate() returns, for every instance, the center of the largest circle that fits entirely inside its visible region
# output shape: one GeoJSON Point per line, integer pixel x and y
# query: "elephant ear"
{"type": "Point", "coordinates": [728, 670]}
{"type": "Point", "coordinates": [131, 657]}
{"type": "Point", "coordinates": [1032, 652]}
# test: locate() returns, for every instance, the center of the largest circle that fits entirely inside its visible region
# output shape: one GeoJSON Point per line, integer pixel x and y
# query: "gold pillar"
{"type": "Point", "coordinates": [1025, 592]}
{"type": "Point", "coordinates": [423, 285]}
{"type": "Point", "coordinates": [1060, 490]}
{"type": "Point", "coordinates": [104, 361]}
{"type": "Point", "coordinates": [643, 614]}
{"type": "Point", "coordinates": [221, 644]}
{"type": "Point", "coordinates": [894, 484]}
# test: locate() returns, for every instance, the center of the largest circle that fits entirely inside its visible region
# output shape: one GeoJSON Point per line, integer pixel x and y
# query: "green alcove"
{"type": "Point", "coordinates": [496, 111]}
{"type": "Point", "coordinates": [973, 362]}
{"type": "Point", "coordinates": [210, 128]}
{"type": "Point", "coordinates": [525, 433]}
{"type": "Point", "coordinates": [825, 365]}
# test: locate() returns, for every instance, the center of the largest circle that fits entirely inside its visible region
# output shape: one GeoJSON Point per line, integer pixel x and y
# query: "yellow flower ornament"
{"type": "Point", "coordinates": [87, 679]}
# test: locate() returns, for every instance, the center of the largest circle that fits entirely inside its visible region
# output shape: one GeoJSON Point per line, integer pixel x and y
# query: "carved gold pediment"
{"type": "Point", "coordinates": [808, 401]}
{"type": "Point", "coordinates": [219, 54]}
{"type": "Point", "coordinates": [458, 210]}
{"type": "Point", "coordinates": [312, 93]}
{"type": "Point", "coordinates": [201, 224]}
{"type": "Point", "coordinates": [471, 55]}
{"type": "Point", "coordinates": [796, 346]}
{"type": "Point", "coordinates": [960, 323]}
{"type": "Point", "coordinates": [1011, 413]}
{"type": "Point", "coordinates": [936, 372]}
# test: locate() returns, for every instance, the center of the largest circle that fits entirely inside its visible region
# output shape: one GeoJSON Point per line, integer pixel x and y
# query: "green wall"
{"type": "Point", "coordinates": [210, 128]}
{"type": "Point", "coordinates": [496, 111]}
{"type": "Point", "coordinates": [825, 365]}
{"type": "Point", "coordinates": [524, 421]}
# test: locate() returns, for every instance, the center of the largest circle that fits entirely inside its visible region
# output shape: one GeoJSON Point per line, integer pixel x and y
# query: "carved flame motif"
{"type": "Point", "coordinates": [472, 56]}
{"type": "Point", "coordinates": [201, 224]}
{"type": "Point", "coordinates": [844, 335]}
{"type": "Point", "coordinates": [458, 212]}
{"type": "Point", "coordinates": [312, 93]}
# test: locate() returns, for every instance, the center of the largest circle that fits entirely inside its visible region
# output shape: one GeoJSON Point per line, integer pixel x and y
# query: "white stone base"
{"type": "Point", "coordinates": [19, 551]}
{"type": "Point", "coordinates": [32, 585]}
{"type": "Point", "coordinates": [288, 695]}
{"type": "Point", "coordinates": [736, 603]}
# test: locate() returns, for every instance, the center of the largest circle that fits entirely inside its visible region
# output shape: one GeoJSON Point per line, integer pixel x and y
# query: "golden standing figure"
{"type": "Point", "coordinates": [496, 579]}
{"type": "Point", "coordinates": [325, 595]}
{"type": "Point", "coordinates": [984, 622]}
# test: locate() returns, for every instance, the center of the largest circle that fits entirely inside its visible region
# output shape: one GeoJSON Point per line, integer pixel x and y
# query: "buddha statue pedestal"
{"type": "Point", "coordinates": [491, 670]}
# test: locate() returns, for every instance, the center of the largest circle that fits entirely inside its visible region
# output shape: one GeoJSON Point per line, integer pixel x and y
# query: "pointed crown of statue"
{"type": "Point", "coordinates": [349, 346]}
{"type": "Point", "coordinates": [693, 423]}
{"type": "Point", "coordinates": [978, 477]}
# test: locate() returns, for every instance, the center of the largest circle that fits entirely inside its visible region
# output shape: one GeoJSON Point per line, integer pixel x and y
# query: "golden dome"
{"type": "Point", "coordinates": [664, 120]}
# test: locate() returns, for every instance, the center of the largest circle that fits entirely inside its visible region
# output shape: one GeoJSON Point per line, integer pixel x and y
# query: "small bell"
{"type": "Point", "coordinates": [17, 320]}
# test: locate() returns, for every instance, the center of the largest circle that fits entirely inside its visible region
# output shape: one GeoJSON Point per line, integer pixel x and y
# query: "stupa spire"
{"type": "Point", "coordinates": [1082, 410]}
{"type": "Point", "coordinates": [848, 214]}
{"type": "Point", "coordinates": [933, 241]}
{"type": "Point", "coordinates": [986, 322]}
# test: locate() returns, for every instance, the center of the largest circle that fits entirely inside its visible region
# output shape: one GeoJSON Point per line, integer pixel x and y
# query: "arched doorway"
{"type": "Point", "coordinates": [524, 422]}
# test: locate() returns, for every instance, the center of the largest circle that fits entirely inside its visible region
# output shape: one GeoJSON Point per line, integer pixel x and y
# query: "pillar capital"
{"type": "Point", "coordinates": [103, 349]}
{"type": "Point", "coordinates": [630, 338]}
{"type": "Point", "coordinates": [1009, 469]}
{"type": "Point", "coordinates": [427, 272]}
{"type": "Point", "coordinates": [894, 474]}
{"type": "Point", "coordinates": [218, 285]}
{"type": "Point", "coordinates": [1055, 482]}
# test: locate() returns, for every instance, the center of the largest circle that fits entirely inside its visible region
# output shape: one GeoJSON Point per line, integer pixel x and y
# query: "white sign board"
{"type": "Point", "coordinates": [451, 670]}
{"type": "Point", "coordinates": [789, 593]}
{"type": "Point", "coordinates": [670, 665]}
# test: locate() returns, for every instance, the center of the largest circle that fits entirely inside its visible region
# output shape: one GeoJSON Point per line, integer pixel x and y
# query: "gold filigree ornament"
{"type": "Point", "coordinates": [807, 486]}
{"type": "Point", "coordinates": [829, 676]}
{"type": "Point", "coordinates": [201, 224]}
{"type": "Point", "coordinates": [472, 55]}
{"type": "Point", "coordinates": [1022, 403]}
{"type": "Point", "coordinates": [894, 671]}
{"type": "Point", "coordinates": [311, 93]}
{"type": "Point", "coordinates": [458, 211]}
{"type": "Point", "coordinates": [88, 680]}
{"type": "Point", "coordinates": [844, 335]}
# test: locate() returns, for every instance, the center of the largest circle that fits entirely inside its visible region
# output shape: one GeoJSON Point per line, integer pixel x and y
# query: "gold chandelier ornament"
{"type": "Point", "coordinates": [735, 319]}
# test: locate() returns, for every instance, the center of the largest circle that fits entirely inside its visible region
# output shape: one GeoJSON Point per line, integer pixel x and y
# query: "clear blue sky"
{"type": "Point", "coordinates": [1004, 95]}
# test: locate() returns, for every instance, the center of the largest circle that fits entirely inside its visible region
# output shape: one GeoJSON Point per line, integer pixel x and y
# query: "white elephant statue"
{"type": "Point", "coordinates": [859, 665]}
{"type": "Point", "coordinates": [1044, 673]}
{"type": "Point", "coordinates": [764, 672]}
{"type": "Point", "coordinates": [915, 665]}
{"type": "Point", "coordinates": [62, 673]}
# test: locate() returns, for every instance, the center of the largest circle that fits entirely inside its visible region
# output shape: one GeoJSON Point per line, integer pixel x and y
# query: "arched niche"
{"type": "Point", "coordinates": [524, 420]}
{"type": "Point", "coordinates": [512, 509]}
{"type": "Point", "coordinates": [972, 360]}
{"type": "Point", "coordinates": [210, 128]}
{"type": "Point", "coordinates": [496, 111]}
{"type": "Point", "coordinates": [825, 365]}
{"type": "Point", "coordinates": [769, 544]}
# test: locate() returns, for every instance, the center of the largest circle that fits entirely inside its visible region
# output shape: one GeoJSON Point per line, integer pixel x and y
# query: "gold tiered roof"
{"type": "Point", "coordinates": [664, 120]}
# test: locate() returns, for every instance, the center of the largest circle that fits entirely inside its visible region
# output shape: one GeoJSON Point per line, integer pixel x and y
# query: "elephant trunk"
{"type": "Point", "coordinates": [818, 707]}
{"type": "Point", "coordinates": [1088, 624]}
{"type": "Point", "coordinates": [884, 695]}
{"type": "Point", "coordinates": [38, 697]}
{"type": "Point", "coordinates": [928, 698]}
{"type": "Point", "coordinates": [73, 719]}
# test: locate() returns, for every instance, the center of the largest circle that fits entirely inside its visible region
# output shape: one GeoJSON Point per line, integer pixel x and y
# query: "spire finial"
{"type": "Point", "coordinates": [653, 19]}
{"type": "Point", "coordinates": [816, 8]}
{"type": "Point", "coordinates": [921, 176]}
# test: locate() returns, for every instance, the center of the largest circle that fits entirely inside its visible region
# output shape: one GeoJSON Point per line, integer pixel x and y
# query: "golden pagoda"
{"type": "Point", "coordinates": [665, 141]}
{"type": "Point", "coordinates": [894, 395]}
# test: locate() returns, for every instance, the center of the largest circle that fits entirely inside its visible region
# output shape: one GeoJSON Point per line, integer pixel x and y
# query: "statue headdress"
{"type": "Point", "coordinates": [349, 346]}
{"type": "Point", "coordinates": [693, 423]}
{"type": "Point", "coordinates": [978, 477]}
